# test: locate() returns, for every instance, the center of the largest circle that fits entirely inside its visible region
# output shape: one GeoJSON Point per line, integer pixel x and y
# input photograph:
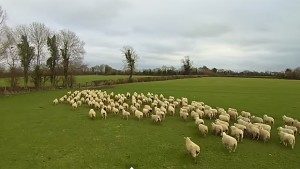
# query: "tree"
{"type": "Point", "coordinates": [26, 54]}
{"type": "Point", "coordinates": [9, 53]}
{"type": "Point", "coordinates": [71, 48]}
{"type": "Point", "coordinates": [186, 65]}
{"type": "Point", "coordinates": [2, 16]}
{"type": "Point", "coordinates": [38, 34]}
{"type": "Point", "coordinates": [130, 59]}
{"type": "Point", "coordinates": [52, 61]}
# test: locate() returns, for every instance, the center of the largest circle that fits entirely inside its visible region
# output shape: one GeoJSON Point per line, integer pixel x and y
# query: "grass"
{"type": "Point", "coordinates": [78, 79]}
{"type": "Point", "coordinates": [37, 134]}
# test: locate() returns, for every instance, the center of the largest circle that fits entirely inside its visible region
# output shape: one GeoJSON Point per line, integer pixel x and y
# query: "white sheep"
{"type": "Point", "coordinates": [216, 129]}
{"type": "Point", "coordinates": [183, 114]}
{"type": "Point", "coordinates": [245, 114]}
{"type": "Point", "coordinates": [255, 119]}
{"type": "Point", "coordinates": [244, 118]}
{"type": "Point", "coordinates": [224, 118]}
{"type": "Point", "coordinates": [240, 126]}
{"type": "Point", "coordinates": [268, 119]}
{"type": "Point", "coordinates": [253, 131]}
{"type": "Point", "coordinates": [292, 128]}
{"type": "Point", "coordinates": [55, 101]}
{"type": "Point", "coordinates": [233, 114]}
{"type": "Point", "coordinates": [194, 114]}
{"type": "Point", "coordinates": [297, 125]}
{"type": "Point", "coordinates": [200, 113]}
{"type": "Point", "coordinates": [138, 114]}
{"type": "Point", "coordinates": [229, 142]}
{"type": "Point", "coordinates": [199, 121]}
{"type": "Point", "coordinates": [92, 114]}
{"type": "Point", "coordinates": [223, 122]}
{"type": "Point", "coordinates": [103, 113]}
{"type": "Point", "coordinates": [237, 133]}
{"type": "Point", "coordinates": [289, 131]}
{"type": "Point", "coordinates": [171, 110]}
{"type": "Point", "coordinates": [264, 126]}
{"type": "Point", "coordinates": [203, 129]}
{"type": "Point", "coordinates": [288, 120]}
{"type": "Point", "coordinates": [146, 112]}
{"type": "Point", "coordinates": [264, 134]}
{"type": "Point", "coordinates": [192, 148]}
{"type": "Point", "coordinates": [155, 118]}
{"type": "Point", "coordinates": [287, 138]}
{"type": "Point", "coordinates": [74, 105]}
{"type": "Point", "coordinates": [125, 114]}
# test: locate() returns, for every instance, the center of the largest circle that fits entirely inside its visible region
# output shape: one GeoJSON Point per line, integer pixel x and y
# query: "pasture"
{"type": "Point", "coordinates": [34, 133]}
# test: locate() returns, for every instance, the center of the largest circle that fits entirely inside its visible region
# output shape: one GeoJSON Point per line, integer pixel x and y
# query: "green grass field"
{"type": "Point", "coordinates": [78, 79]}
{"type": "Point", "coordinates": [34, 133]}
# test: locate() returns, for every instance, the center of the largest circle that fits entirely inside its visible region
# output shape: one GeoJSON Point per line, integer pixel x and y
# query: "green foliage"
{"type": "Point", "coordinates": [186, 65]}
{"type": "Point", "coordinates": [26, 54]}
{"type": "Point", "coordinates": [37, 76]}
{"type": "Point", "coordinates": [130, 59]}
{"type": "Point", "coordinates": [52, 61]}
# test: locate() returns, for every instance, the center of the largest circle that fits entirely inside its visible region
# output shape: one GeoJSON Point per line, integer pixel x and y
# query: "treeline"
{"type": "Point", "coordinates": [38, 53]}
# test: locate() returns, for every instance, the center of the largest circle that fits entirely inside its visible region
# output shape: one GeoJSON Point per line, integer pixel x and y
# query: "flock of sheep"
{"type": "Point", "coordinates": [157, 107]}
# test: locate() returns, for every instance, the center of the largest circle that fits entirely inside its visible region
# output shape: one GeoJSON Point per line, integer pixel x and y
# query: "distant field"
{"type": "Point", "coordinates": [36, 134]}
{"type": "Point", "coordinates": [78, 79]}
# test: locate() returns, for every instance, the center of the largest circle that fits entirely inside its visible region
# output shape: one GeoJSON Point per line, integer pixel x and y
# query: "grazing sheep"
{"type": "Point", "coordinates": [146, 112]}
{"type": "Point", "coordinates": [264, 126]}
{"type": "Point", "coordinates": [255, 119]}
{"type": "Point", "coordinates": [289, 131]}
{"type": "Point", "coordinates": [244, 118]}
{"type": "Point", "coordinates": [253, 131]}
{"type": "Point", "coordinates": [183, 114]}
{"type": "Point", "coordinates": [199, 121]}
{"type": "Point", "coordinates": [200, 113]}
{"type": "Point", "coordinates": [114, 110]}
{"type": "Point", "coordinates": [155, 118]}
{"type": "Point", "coordinates": [203, 129]}
{"type": "Point", "coordinates": [138, 114]}
{"type": "Point", "coordinates": [125, 114]}
{"type": "Point", "coordinates": [224, 118]}
{"type": "Point", "coordinates": [292, 128]}
{"type": "Point", "coordinates": [103, 113]}
{"type": "Point", "coordinates": [297, 125]}
{"type": "Point", "coordinates": [223, 122]}
{"type": "Point", "coordinates": [233, 114]}
{"type": "Point", "coordinates": [241, 121]}
{"type": "Point", "coordinates": [240, 126]}
{"type": "Point", "coordinates": [92, 114]}
{"type": "Point", "coordinates": [245, 114]}
{"type": "Point", "coordinates": [288, 120]}
{"type": "Point", "coordinates": [74, 105]}
{"type": "Point", "coordinates": [192, 148]}
{"type": "Point", "coordinates": [287, 138]}
{"type": "Point", "coordinates": [216, 129]}
{"type": "Point", "coordinates": [237, 133]}
{"type": "Point", "coordinates": [208, 113]}
{"type": "Point", "coordinates": [229, 142]}
{"type": "Point", "coordinates": [264, 134]}
{"type": "Point", "coordinates": [160, 113]}
{"type": "Point", "coordinates": [268, 120]}
{"type": "Point", "coordinates": [194, 114]}
{"type": "Point", "coordinates": [171, 110]}
{"type": "Point", "coordinates": [55, 101]}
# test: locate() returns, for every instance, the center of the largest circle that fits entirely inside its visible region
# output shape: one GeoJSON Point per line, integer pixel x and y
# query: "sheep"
{"type": "Point", "coordinates": [268, 120]}
{"type": "Point", "coordinates": [223, 122]}
{"type": "Point", "coordinates": [199, 121]}
{"type": "Point", "coordinates": [55, 101]}
{"type": "Point", "coordinates": [297, 125]}
{"type": "Point", "coordinates": [264, 134]}
{"type": "Point", "coordinates": [253, 131]}
{"type": "Point", "coordinates": [292, 128]}
{"type": "Point", "coordinates": [160, 113]}
{"type": "Point", "coordinates": [92, 114]}
{"type": "Point", "coordinates": [155, 118]}
{"type": "Point", "coordinates": [138, 114]}
{"type": "Point", "coordinates": [264, 126]}
{"type": "Point", "coordinates": [233, 114]}
{"type": "Point", "coordinates": [224, 126]}
{"type": "Point", "coordinates": [192, 148]}
{"type": "Point", "coordinates": [245, 114]}
{"type": "Point", "coordinates": [240, 126]}
{"type": "Point", "coordinates": [200, 113]}
{"type": "Point", "coordinates": [125, 114]}
{"type": "Point", "coordinates": [241, 121]}
{"type": "Point", "coordinates": [244, 118]}
{"type": "Point", "coordinates": [103, 113]}
{"type": "Point", "coordinates": [146, 112]}
{"type": "Point", "coordinates": [229, 142]}
{"type": "Point", "coordinates": [216, 128]}
{"type": "Point", "coordinates": [287, 138]}
{"type": "Point", "coordinates": [114, 110]}
{"type": "Point", "coordinates": [194, 114]}
{"type": "Point", "coordinates": [288, 120]}
{"type": "Point", "coordinates": [286, 130]}
{"type": "Point", "coordinates": [237, 133]}
{"type": "Point", "coordinates": [183, 114]}
{"type": "Point", "coordinates": [74, 105]}
{"type": "Point", "coordinates": [224, 118]}
{"type": "Point", "coordinates": [171, 110]}
{"type": "Point", "coordinates": [255, 119]}
{"type": "Point", "coordinates": [203, 129]}
{"type": "Point", "coordinates": [208, 113]}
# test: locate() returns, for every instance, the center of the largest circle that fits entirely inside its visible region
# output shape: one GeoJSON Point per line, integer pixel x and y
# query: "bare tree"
{"type": "Point", "coordinates": [2, 16]}
{"type": "Point", "coordinates": [9, 53]}
{"type": "Point", "coordinates": [130, 59]}
{"type": "Point", "coordinates": [186, 65]}
{"type": "Point", "coordinates": [71, 48]}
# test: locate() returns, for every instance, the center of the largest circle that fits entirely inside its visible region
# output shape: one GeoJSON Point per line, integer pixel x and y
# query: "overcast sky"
{"type": "Point", "coordinates": [231, 34]}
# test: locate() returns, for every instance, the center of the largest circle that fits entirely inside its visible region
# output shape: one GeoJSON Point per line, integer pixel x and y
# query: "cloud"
{"type": "Point", "coordinates": [230, 34]}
